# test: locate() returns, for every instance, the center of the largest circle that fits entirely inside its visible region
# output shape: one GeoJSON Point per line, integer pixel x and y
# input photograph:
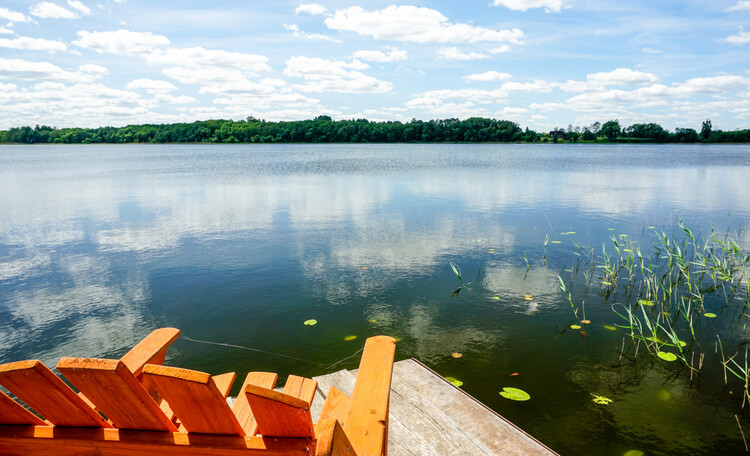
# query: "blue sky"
{"type": "Point", "coordinates": [541, 63]}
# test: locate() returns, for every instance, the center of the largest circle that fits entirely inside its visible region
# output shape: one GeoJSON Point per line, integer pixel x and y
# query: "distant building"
{"type": "Point", "coordinates": [557, 134]}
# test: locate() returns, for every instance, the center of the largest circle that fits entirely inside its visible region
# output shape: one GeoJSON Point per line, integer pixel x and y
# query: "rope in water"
{"type": "Point", "coordinates": [258, 350]}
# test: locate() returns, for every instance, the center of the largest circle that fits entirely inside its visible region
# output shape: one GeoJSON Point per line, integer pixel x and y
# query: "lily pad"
{"type": "Point", "coordinates": [634, 453]}
{"type": "Point", "coordinates": [666, 356]}
{"type": "Point", "coordinates": [709, 315]}
{"type": "Point", "coordinates": [610, 328]}
{"type": "Point", "coordinates": [645, 302]}
{"type": "Point", "coordinates": [348, 338]}
{"type": "Point", "coordinates": [528, 297]}
{"type": "Point", "coordinates": [496, 298]}
{"type": "Point", "coordinates": [575, 326]}
{"type": "Point", "coordinates": [515, 394]}
{"type": "Point", "coordinates": [365, 267]}
{"type": "Point", "coordinates": [556, 242]}
{"type": "Point", "coordinates": [586, 322]}
{"type": "Point", "coordinates": [455, 381]}
{"type": "Point", "coordinates": [603, 400]}
{"type": "Point", "coordinates": [372, 320]}
{"type": "Point", "coordinates": [311, 322]}
{"type": "Point", "coordinates": [606, 283]}
{"type": "Point", "coordinates": [457, 355]}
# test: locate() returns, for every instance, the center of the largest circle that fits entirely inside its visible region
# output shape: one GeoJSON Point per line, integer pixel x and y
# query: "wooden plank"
{"type": "Point", "coordinates": [37, 386]}
{"type": "Point", "coordinates": [224, 382]}
{"type": "Point", "coordinates": [194, 398]}
{"type": "Point", "coordinates": [367, 424]}
{"type": "Point", "coordinates": [241, 406]}
{"type": "Point", "coordinates": [331, 439]}
{"type": "Point", "coordinates": [337, 406]}
{"type": "Point", "coordinates": [484, 426]}
{"type": "Point", "coordinates": [151, 350]}
{"type": "Point", "coordinates": [300, 387]}
{"type": "Point", "coordinates": [59, 441]}
{"type": "Point", "coordinates": [110, 385]}
{"type": "Point", "coordinates": [11, 412]}
{"type": "Point", "coordinates": [282, 415]}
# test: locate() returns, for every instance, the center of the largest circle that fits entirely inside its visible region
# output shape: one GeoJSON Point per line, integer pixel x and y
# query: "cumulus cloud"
{"type": "Point", "coordinates": [322, 75]}
{"type": "Point", "coordinates": [5, 31]}
{"type": "Point", "coordinates": [523, 5]}
{"type": "Point", "coordinates": [198, 57]}
{"type": "Point", "coordinates": [45, 71]}
{"type": "Point", "coordinates": [121, 42]}
{"type": "Point", "coordinates": [13, 16]}
{"type": "Point", "coordinates": [171, 99]}
{"type": "Point", "coordinates": [80, 7]}
{"type": "Point", "coordinates": [453, 53]}
{"type": "Point", "coordinates": [739, 39]}
{"type": "Point", "coordinates": [33, 44]}
{"type": "Point", "coordinates": [489, 76]}
{"type": "Point", "coordinates": [294, 28]}
{"type": "Point", "coordinates": [48, 10]}
{"type": "Point", "coordinates": [392, 55]}
{"type": "Point", "coordinates": [414, 24]}
{"type": "Point", "coordinates": [743, 5]}
{"type": "Point", "coordinates": [622, 76]}
{"type": "Point", "coordinates": [151, 85]}
{"type": "Point", "coordinates": [312, 9]}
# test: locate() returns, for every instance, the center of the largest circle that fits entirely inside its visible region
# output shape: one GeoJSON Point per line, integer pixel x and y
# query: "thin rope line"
{"type": "Point", "coordinates": [222, 344]}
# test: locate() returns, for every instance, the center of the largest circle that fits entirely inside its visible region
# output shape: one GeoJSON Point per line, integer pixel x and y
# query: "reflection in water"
{"type": "Point", "coordinates": [240, 244]}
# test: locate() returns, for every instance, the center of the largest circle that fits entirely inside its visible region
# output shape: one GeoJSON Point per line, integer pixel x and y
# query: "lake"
{"type": "Point", "coordinates": [241, 244]}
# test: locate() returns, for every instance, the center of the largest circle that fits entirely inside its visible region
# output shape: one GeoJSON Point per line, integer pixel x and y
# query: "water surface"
{"type": "Point", "coordinates": [241, 244]}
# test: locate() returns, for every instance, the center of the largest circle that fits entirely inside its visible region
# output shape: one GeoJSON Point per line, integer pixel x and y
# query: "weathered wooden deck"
{"type": "Point", "coordinates": [429, 416]}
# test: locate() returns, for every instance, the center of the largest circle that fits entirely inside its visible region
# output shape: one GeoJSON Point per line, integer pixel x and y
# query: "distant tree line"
{"type": "Point", "coordinates": [323, 129]}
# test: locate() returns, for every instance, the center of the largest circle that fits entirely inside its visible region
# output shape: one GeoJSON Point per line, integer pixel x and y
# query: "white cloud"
{"type": "Point", "coordinates": [171, 99]}
{"type": "Point", "coordinates": [121, 42]}
{"type": "Point", "coordinates": [392, 55]}
{"type": "Point", "coordinates": [48, 10]}
{"type": "Point", "coordinates": [151, 85]}
{"type": "Point", "coordinates": [294, 28]}
{"type": "Point", "coordinates": [204, 76]}
{"type": "Point", "coordinates": [414, 24]}
{"type": "Point", "coordinates": [323, 75]}
{"type": "Point", "coordinates": [80, 7]}
{"type": "Point", "coordinates": [621, 76]}
{"type": "Point", "coordinates": [523, 5]}
{"type": "Point", "coordinates": [739, 39]}
{"type": "Point", "coordinates": [45, 71]}
{"type": "Point", "coordinates": [33, 44]}
{"type": "Point", "coordinates": [500, 49]}
{"type": "Point", "coordinates": [313, 9]}
{"type": "Point", "coordinates": [647, 50]}
{"type": "Point", "coordinates": [5, 31]}
{"type": "Point", "coordinates": [453, 53]}
{"type": "Point", "coordinates": [13, 16]}
{"type": "Point", "coordinates": [198, 57]}
{"type": "Point", "coordinates": [537, 86]}
{"type": "Point", "coordinates": [489, 76]}
{"type": "Point", "coordinates": [743, 5]}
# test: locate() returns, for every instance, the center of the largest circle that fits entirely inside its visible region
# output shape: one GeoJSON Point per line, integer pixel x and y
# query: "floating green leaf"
{"type": "Point", "coordinates": [634, 453]}
{"type": "Point", "coordinates": [496, 298]}
{"type": "Point", "coordinates": [372, 320]}
{"type": "Point", "coordinates": [645, 302]}
{"type": "Point", "coordinates": [610, 327]}
{"type": "Point", "coordinates": [575, 326]}
{"type": "Point", "coordinates": [455, 381]}
{"type": "Point", "coordinates": [515, 394]}
{"type": "Point", "coordinates": [556, 242]}
{"type": "Point", "coordinates": [709, 315]}
{"type": "Point", "coordinates": [311, 322]}
{"type": "Point", "coordinates": [348, 338]}
{"type": "Point", "coordinates": [606, 283]}
{"type": "Point", "coordinates": [666, 356]}
{"type": "Point", "coordinates": [601, 400]}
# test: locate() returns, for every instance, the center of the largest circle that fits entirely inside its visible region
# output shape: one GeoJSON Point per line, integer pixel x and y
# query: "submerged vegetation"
{"type": "Point", "coordinates": [323, 129]}
{"type": "Point", "coordinates": [666, 299]}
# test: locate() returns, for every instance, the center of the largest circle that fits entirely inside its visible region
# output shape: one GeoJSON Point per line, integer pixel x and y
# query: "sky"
{"type": "Point", "coordinates": [540, 63]}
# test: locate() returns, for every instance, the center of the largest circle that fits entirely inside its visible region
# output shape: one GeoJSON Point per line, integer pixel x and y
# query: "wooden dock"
{"type": "Point", "coordinates": [429, 416]}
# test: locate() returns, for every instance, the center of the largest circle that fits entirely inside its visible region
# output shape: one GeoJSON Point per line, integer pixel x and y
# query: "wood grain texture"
{"type": "Point", "coordinates": [58, 441]}
{"type": "Point", "coordinates": [11, 412]}
{"type": "Point", "coordinates": [337, 406]}
{"type": "Point", "coordinates": [331, 439]}
{"type": "Point", "coordinates": [151, 350]}
{"type": "Point", "coordinates": [195, 399]}
{"type": "Point", "coordinates": [241, 406]}
{"type": "Point", "coordinates": [224, 382]}
{"type": "Point", "coordinates": [110, 385]}
{"type": "Point", "coordinates": [37, 386]}
{"type": "Point", "coordinates": [367, 424]}
{"type": "Point", "coordinates": [300, 387]}
{"type": "Point", "coordinates": [282, 415]}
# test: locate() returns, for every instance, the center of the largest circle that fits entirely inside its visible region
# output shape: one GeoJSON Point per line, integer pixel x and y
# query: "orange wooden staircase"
{"type": "Point", "coordinates": [135, 405]}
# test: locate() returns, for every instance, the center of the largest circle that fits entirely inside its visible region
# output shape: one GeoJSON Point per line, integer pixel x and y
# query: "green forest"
{"type": "Point", "coordinates": [323, 129]}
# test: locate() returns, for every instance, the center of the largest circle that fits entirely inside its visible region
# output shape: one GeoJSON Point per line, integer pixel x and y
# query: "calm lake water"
{"type": "Point", "coordinates": [241, 244]}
